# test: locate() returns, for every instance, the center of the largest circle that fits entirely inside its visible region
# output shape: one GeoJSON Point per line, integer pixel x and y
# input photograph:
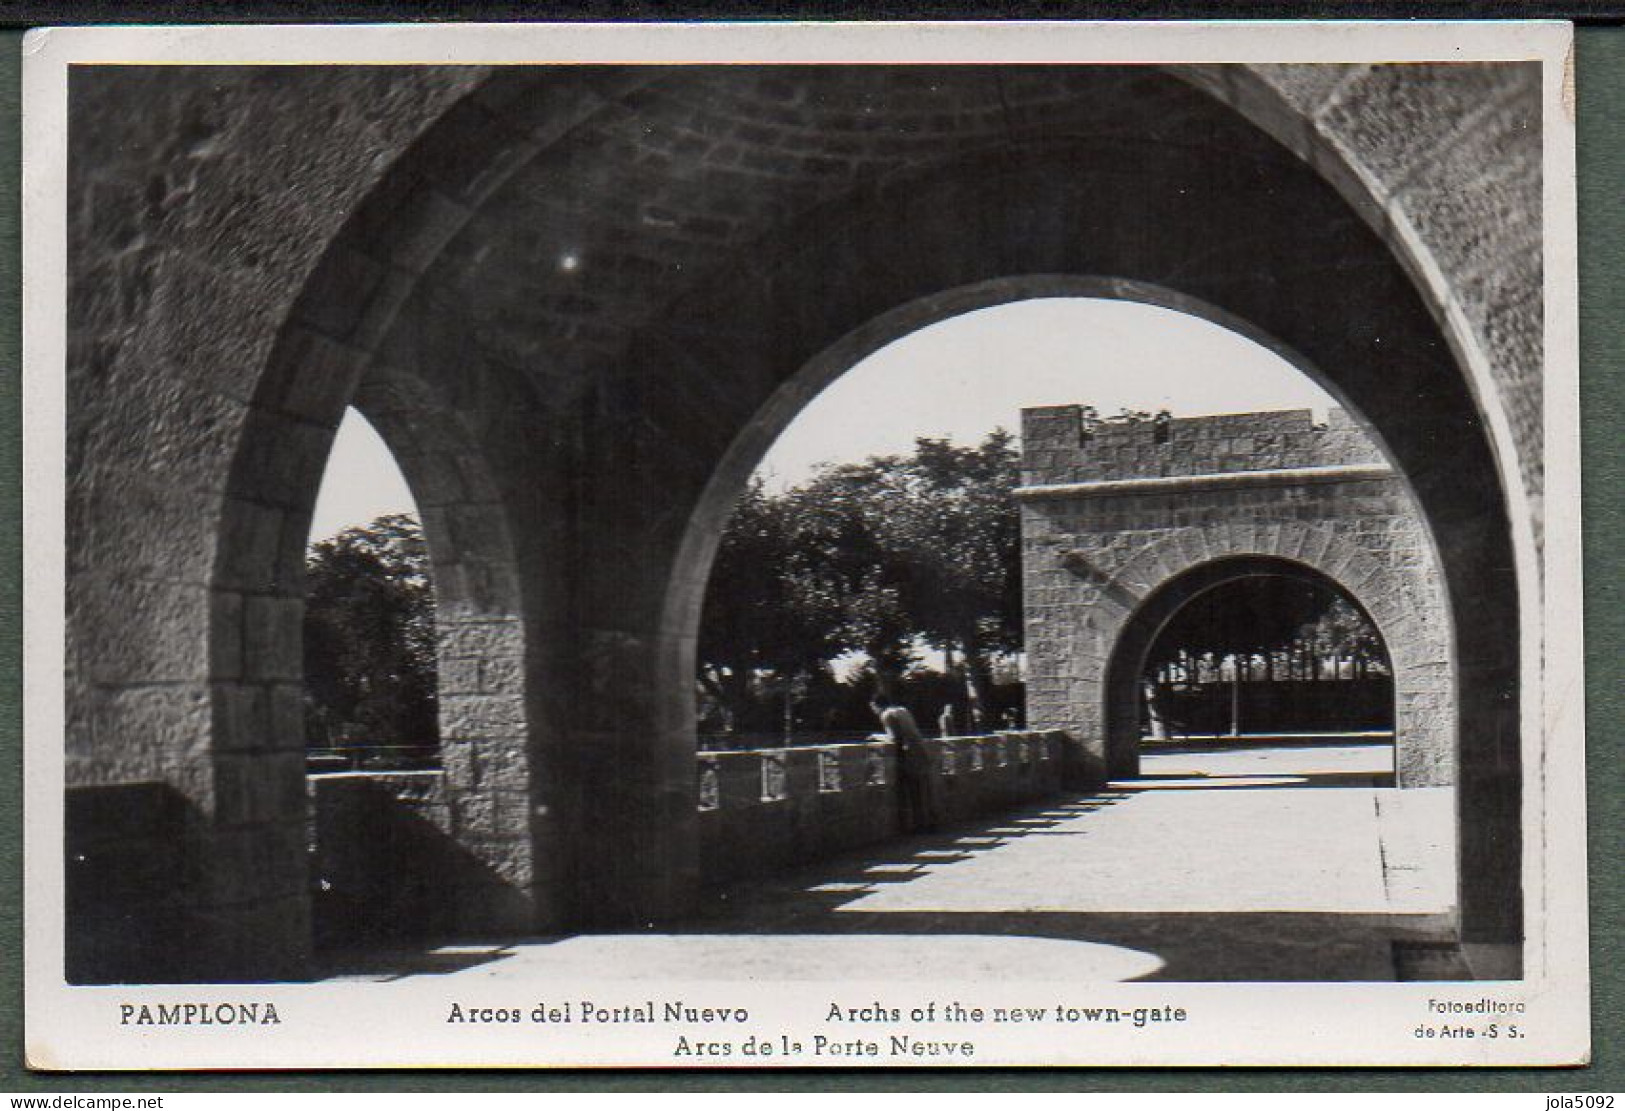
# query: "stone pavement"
{"type": "Point", "coordinates": [1245, 863]}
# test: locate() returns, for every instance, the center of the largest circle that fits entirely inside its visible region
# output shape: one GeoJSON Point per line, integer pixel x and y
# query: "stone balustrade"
{"type": "Point", "coordinates": [765, 809]}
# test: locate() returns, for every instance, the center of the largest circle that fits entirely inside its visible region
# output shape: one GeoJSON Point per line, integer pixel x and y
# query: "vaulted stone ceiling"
{"type": "Point", "coordinates": [684, 176]}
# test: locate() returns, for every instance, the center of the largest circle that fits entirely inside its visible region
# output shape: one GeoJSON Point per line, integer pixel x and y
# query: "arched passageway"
{"type": "Point", "coordinates": [1124, 526]}
{"type": "Point", "coordinates": [595, 295]}
{"type": "Point", "coordinates": [1244, 646]}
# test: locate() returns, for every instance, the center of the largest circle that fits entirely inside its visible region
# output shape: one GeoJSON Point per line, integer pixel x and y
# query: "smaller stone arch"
{"type": "Point", "coordinates": [472, 562]}
{"type": "Point", "coordinates": [476, 870]}
{"type": "Point", "coordinates": [1162, 606]}
{"type": "Point", "coordinates": [1123, 612]}
{"type": "Point", "coordinates": [468, 826]}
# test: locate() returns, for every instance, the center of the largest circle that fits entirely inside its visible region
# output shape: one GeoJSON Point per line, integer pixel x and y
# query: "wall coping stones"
{"type": "Point", "coordinates": [1180, 484]}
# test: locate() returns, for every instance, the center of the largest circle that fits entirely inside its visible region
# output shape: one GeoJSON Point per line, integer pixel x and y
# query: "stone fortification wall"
{"type": "Point", "coordinates": [1060, 446]}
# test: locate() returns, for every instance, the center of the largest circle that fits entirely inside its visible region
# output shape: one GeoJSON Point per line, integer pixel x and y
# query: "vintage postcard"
{"type": "Point", "coordinates": [802, 545]}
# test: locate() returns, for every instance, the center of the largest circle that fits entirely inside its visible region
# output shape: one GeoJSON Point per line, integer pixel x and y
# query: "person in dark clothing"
{"type": "Point", "coordinates": [916, 782]}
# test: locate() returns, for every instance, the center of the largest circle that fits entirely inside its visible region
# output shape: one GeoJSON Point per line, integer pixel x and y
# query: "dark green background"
{"type": "Point", "coordinates": [1600, 78]}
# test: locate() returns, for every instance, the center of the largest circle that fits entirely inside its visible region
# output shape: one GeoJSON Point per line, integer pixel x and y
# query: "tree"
{"type": "Point", "coordinates": [1343, 634]}
{"type": "Point", "coordinates": [843, 568]}
{"type": "Point", "coordinates": [946, 522]}
{"type": "Point", "coordinates": [1293, 628]}
{"type": "Point", "coordinates": [876, 558]}
{"type": "Point", "coordinates": [761, 627]}
{"type": "Point", "coordinates": [370, 674]}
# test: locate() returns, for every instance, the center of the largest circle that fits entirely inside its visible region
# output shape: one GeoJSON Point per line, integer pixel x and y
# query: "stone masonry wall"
{"type": "Point", "coordinates": [1445, 160]}
{"type": "Point", "coordinates": [1093, 556]}
{"type": "Point", "coordinates": [198, 207]}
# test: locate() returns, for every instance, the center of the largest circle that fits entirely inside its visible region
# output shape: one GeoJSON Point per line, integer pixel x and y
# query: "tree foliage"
{"type": "Point", "coordinates": [1291, 627]}
{"type": "Point", "coordinates": [370, 638]}
{"type": "Point", "coordinates": [761, 621]}
{"type": "Point", "coordinates": [876, 558]}
{"type": "Point", "coordinates": [1343, 632]}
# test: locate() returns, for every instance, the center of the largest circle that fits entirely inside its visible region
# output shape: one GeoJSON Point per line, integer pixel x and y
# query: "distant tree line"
{"type": "Point", "coordinates": [1320, 635]}
{"type": "Point", "coordinates": [901, 572]}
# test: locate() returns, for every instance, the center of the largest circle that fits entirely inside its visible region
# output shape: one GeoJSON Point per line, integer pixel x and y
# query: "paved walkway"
{"type": "Point", "coordinates": [1277, 863]}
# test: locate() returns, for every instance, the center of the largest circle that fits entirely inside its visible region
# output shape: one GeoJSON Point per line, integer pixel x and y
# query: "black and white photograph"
{"type": "Point", "coordinates": [802, 546]}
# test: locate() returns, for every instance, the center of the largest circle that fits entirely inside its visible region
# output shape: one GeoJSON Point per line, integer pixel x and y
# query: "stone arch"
{"type": "Point", "coordinates": [700, 378]}
{"type": "Point", "coordinates": [1315, 113]}
{"type": "Point", "coordinates": [1137, 601]}
{"type": "Point", "coordinates": [1121, 684]}
{"type": "Point", "coordinates": [482, 804]}
{"type": "Point", "coordinates": [345, 341]}
{"type": "Point", "coordinates": [1464, 505]}
{"type": "Point", "coordinates": [442, 852]}
{"type": "Point", "coordinates": [483, 876]}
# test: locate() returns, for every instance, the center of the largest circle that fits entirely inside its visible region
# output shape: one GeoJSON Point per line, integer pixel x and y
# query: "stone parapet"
{"type": "Point", "coordinates": [1061, 446]}
{"type": "Point", "coordinates": [766, 809]}
{"type": "Point", "coordinates": [384, 863]}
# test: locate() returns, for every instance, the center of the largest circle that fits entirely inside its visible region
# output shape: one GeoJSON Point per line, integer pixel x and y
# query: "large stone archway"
{"type": "Point", "coordinates": [616, 278]}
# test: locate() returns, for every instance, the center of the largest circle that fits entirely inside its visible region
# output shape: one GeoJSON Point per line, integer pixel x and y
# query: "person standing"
{"type": "Point", "coordinates": [919, 806]}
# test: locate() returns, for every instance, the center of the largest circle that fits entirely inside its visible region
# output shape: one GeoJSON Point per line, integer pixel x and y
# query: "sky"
{"type": "Point", "coordinates": [959, 379]}
{"type": "Point", "coordinates": [361, 482]}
